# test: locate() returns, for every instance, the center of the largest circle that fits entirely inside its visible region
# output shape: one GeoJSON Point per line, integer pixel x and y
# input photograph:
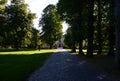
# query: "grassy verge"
{"type": "Point", "coordinates": [18, 65]}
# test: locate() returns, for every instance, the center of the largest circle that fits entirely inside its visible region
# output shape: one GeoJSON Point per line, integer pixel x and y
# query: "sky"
{"type": "Point", "coordinates": [37, 6]}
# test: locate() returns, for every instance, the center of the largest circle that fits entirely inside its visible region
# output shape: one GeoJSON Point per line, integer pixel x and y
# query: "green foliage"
{"type": "Point", "coordinates": [83, 20]}
{"type": "Point", "coordinates": [35, 41]}
{"type": "Point", "coordinates": [2, 21]}
{"type": "Point", "coordinates": [104, 23]}
{"type": "Point", "coordinates": [69, 8]}
{"type": "Point", "coordinates": [51, 25]}
{"type": "Point", "coordinates": [73, 12]}
{"type": "Point", "coordinates": [16, 23]}
{"type": "Point", "coordinates": [17, 1]}
{"type": "Point", "coordinates": [19, 22]}
{"type": "Point", "coordinates": [3, 2]}
{"type": "Point", "coordinates": [69, 39]}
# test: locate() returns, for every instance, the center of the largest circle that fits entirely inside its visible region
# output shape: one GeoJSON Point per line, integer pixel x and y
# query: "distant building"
{"type": "Point", "coordinates": [61, 43]}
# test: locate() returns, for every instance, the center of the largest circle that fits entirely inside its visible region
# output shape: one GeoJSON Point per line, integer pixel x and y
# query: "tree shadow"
{"type": "Point", "coordinates": [14, 50]}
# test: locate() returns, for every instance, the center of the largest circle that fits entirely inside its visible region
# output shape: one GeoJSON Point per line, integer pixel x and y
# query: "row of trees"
{"type": "Point", "coordinates": [90, 19]}
{"type": "Point", "coordinates": [16, 25]}
{"type": "Point", "coordinates": [92, 22]}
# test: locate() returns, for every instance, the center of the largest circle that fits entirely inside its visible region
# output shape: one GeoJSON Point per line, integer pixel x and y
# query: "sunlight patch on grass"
{"type": "Point", "coordinates": [84, 50]}
{"type": "Point", "coordinates": [28, 52]}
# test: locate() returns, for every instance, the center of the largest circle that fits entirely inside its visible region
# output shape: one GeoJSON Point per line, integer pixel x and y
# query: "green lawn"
{"type": "Point", "coordinates": [18, 65]}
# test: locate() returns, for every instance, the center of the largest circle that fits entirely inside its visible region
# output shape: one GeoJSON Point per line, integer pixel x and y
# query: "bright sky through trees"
{"type": "Point", "coordinates": [37, 6]}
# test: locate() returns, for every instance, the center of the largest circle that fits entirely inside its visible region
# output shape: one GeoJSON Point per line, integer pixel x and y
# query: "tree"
{"type": "Point", "coordinates": [117, 30]}
{"type": "Point", "coordinates": [90, 28]}
{"type": "Point", "coordinates": [111, 28]}
{"type": "Point", "coordinates": [99, 28]}
{"type": "Point", "coordinates": [75, 15]}
{"type": "Point", "coordinates": [19, 22]}
{"type": "Point", "coordinates": [72, 11]}
{"type": "Point", "coordinates": [106, 25]}
{"type": "Point", "coordinates": [2, 21]}
{"type": "Point", "coordinates": [69, 39]}
{"type": "Point", "coordinates": [3, 2]}
{"type": "Point", "coordinates": [51, 25]}
{"type": "Point", "coordinates": [35, 41]}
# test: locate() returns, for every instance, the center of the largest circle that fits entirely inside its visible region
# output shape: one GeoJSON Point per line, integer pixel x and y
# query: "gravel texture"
{"type": "Point", "coordinates": [63, 66]}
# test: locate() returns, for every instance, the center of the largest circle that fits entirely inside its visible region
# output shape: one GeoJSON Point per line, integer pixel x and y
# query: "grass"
{"type": "Point", "coordinates": [18, 65]}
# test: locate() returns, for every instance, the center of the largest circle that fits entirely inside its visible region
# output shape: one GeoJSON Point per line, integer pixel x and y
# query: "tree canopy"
{"type": "Point", "coordinates": [16, 24]}
{"type": "Point", "coordinates": [97, 19]}
{"type": "Point", "coordinates": [51, 25]}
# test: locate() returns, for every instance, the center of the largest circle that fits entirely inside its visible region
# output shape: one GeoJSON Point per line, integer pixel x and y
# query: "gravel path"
{"type": "Point", "coordinates": [62, 66]}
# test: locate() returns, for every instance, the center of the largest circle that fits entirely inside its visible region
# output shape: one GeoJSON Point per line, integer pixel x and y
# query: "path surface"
{"type": "Point", "coordinates": [62, 66]}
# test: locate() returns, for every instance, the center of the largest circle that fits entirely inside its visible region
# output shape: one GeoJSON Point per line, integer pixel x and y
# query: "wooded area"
{"type": "Point", "coordinates": [17, 28]}
{"type": "Point", "coordinates": [93, 25]}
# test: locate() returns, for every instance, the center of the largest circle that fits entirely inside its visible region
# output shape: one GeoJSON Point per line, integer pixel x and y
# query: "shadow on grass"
{"type": "Point", "coordinates": [14, 50]}
{"type": "Point", "coordinates": [19, 67]}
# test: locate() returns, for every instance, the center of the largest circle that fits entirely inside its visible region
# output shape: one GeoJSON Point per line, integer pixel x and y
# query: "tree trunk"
{"type": "Point", "coordinates": [51, 46]}
{"type": "Point", "coordinates": [99, 28]}
{"type": "Point", "coordinates": [17, 45]}
{"type": "Point", "coordinates": [17, 48]}
{"type": "Point", "coordinates": [111, 29]}
{"type": "Point", "coordinates": [74, 47]}
{"type": "Point", "coordinates": [90, 29]}
{"type": "Point", "coordinates": [117, 30]}
{"type": "Point", "coordinates": [80, 48]}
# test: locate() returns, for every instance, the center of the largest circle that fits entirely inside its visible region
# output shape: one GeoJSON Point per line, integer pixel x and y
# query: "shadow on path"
{"type": "Point", "coordinates": [62, 66]}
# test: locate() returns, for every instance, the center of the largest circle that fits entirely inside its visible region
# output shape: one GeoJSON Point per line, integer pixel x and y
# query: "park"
{"type": "Point", "coordinates": [89, 50]}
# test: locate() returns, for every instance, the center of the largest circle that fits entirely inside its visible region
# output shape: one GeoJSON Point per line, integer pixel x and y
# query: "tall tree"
{"type": "Point", "coordinates": [90, 28]}
{"type": "Point", "coordinates": [111, 29]}
{"type": "Point", "coordinates": [69, 38]}
{"type": "Point", "coordinates": [19, 19]}
{"type": "Point", "coordinates": [99, 28]}
{"type": "Point", "coordinates": [117, 30]}
{"type": "Point", "coordinates": [2, 21]}
{"type": "Point", "coordinates": [51, 25]}
{"type": "Point", "coordinates": [71, 12]}
{"type": "Point", "coordinates": [35, 41]}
